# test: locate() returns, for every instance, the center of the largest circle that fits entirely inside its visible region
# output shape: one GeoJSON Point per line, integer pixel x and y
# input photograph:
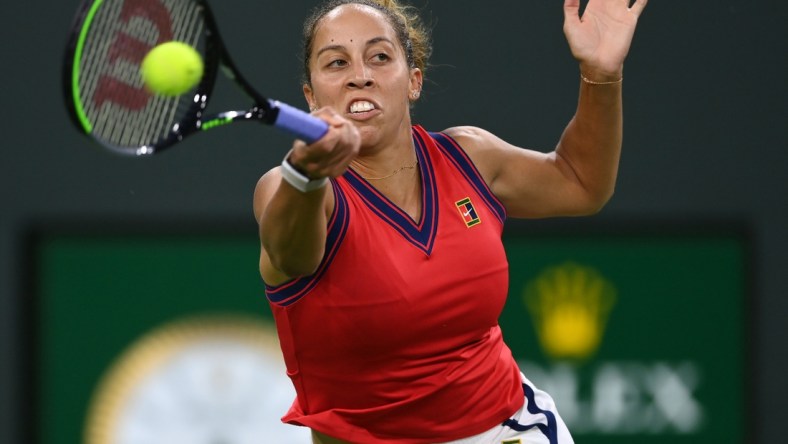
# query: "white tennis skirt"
{"type": "Point", "coordinates": [537, 422]}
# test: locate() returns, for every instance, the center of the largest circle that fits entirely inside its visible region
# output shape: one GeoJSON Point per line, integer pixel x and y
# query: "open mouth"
{"type": "Point", "coordinates": [361, 106]}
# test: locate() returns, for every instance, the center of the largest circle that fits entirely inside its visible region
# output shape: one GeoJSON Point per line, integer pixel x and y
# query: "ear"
{"type": "Point", "coordinates": [309, 95]}
{"type": "Point", "coordinates": [416, 82]}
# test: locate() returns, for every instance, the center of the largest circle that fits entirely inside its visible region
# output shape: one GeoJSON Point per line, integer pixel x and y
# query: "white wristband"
{"type": "Point", "coordinates": [300, 181]}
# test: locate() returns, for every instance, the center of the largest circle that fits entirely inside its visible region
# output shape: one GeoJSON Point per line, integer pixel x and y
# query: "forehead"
{"type": "Point", "coordinates": [353, 23]}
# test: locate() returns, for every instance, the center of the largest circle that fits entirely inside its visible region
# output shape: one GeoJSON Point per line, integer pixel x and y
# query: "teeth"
{"type": "Point", "coordinates": [360, 107]}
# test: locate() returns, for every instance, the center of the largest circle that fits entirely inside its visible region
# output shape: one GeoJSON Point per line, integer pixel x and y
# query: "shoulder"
{"type": "Point", "coordinates": [478, 142]}
{"type": "Point", "coordinates": [485, 149]}
{"type": "Point", "coordinates": [469, 137]}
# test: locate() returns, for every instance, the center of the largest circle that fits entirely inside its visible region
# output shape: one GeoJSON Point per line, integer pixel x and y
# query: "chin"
{"type": "Point", "coordinates": [370, 136]}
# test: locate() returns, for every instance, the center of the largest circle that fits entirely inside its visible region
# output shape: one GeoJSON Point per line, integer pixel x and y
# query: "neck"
{"type": "Point", "coordinates": [384, 161]}
{"type": "Point", "coordinates": [393, 173]}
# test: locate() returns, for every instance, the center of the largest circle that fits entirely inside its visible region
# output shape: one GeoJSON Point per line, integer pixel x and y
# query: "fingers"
{"type": "Point", "coordinates": [571, 10]}
{"type": "Point", "coordinates": [637, 7]}
{"type": "Point", "coordinates": [572, 4]}
{"type": "Point", "coordinates": [331, 155]}
{"type": "Point", "coordinates": [330, 116]}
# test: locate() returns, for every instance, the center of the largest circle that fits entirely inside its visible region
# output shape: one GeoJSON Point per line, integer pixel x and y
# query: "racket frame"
{"type": "Point", "coordinates": [215, 57]}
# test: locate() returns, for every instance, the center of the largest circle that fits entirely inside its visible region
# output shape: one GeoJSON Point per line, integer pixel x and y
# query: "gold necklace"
{"type": "Point", "coordinates": [406, 167]}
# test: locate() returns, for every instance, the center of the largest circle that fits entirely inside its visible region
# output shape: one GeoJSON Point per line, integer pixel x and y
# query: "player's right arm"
{"type": "Point", "coordinates": [293, 224]}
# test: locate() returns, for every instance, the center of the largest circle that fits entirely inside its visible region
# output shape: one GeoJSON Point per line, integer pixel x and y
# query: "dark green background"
{"type": "Point", "coordinates": [678, 299]}
{"type": "Point", "coordinates": [705, 100]}
{"type": "Point", "coordinates": [98, 295]}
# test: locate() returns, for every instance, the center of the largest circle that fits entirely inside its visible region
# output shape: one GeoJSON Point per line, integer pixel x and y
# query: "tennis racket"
{"type": "Point", "coordinates": [106, 97]}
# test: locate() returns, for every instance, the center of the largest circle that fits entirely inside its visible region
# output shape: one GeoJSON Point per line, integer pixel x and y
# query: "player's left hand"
{"type": "Point", "coordinates": [601, 38]}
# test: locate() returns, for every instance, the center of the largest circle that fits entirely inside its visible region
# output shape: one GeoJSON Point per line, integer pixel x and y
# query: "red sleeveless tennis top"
{"type": "Point", "coordinates": [395, 338]}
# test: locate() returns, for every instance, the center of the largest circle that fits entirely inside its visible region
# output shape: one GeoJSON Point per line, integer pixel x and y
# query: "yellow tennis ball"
{"type": "Point", "coordinates": [171, 68]}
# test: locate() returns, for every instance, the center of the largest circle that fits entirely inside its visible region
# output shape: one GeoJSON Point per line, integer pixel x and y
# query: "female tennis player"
{"type": "Point", "coordinates": [381, 242]}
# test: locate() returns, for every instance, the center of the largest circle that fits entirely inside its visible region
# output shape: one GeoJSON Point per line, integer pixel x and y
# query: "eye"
{"type": "Point", "coordinates": [337, 63]}
{"type": "Point", "coordinates": [381, 57]}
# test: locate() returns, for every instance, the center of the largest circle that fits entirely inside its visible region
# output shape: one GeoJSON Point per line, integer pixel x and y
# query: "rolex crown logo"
{"type": "Point", "coordinates": [569, 304]}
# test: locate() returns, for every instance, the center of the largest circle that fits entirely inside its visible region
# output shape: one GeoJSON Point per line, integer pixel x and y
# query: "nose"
{"type": "Point", "coordinates": [361, 78]}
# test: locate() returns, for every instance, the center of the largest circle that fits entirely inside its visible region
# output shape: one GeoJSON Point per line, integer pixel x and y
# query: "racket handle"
{"type": "Point", "coordinates": [306, 127]}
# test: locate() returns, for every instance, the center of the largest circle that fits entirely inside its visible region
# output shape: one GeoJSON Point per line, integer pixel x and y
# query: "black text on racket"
{"type": "Point", "coordinates": [107, 99]}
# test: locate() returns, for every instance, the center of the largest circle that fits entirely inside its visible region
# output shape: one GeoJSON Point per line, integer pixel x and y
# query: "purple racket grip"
{"type": "Point", "coordinates": [302, 125]}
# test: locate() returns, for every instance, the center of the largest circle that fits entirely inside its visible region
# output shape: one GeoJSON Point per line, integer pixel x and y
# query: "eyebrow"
{"type": "Point", "coordinates": [370, 42]}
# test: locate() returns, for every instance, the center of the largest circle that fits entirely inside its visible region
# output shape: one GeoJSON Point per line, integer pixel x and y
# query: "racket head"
{"type": "Point", "coordinates": [104, 91]}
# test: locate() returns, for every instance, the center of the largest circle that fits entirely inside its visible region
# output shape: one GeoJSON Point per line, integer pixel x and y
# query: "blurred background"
{"type": "Point", "coordinates": [97, 251]}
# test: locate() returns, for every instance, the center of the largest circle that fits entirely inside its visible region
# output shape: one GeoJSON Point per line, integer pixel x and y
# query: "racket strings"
{"type": "Point", "coordinates": [111, 89]}
{"type": "Point", "coordinates": [189, 29]}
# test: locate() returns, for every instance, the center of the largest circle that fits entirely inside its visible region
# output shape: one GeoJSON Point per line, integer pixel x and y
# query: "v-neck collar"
{"type": "Point", "coordinates": [422, 233]}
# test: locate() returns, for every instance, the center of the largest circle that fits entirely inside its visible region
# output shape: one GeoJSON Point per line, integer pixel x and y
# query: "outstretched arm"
{"type": "Point", "coordinates": [600, 40]}
{"type": "Point", "coordinates": [579, 176]}
{"type": "Point", "coordinates": [292, 223]}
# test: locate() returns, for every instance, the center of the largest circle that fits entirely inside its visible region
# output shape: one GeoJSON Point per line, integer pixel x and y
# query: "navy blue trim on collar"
{"type": "Point", "coordinates": [422, 234]}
